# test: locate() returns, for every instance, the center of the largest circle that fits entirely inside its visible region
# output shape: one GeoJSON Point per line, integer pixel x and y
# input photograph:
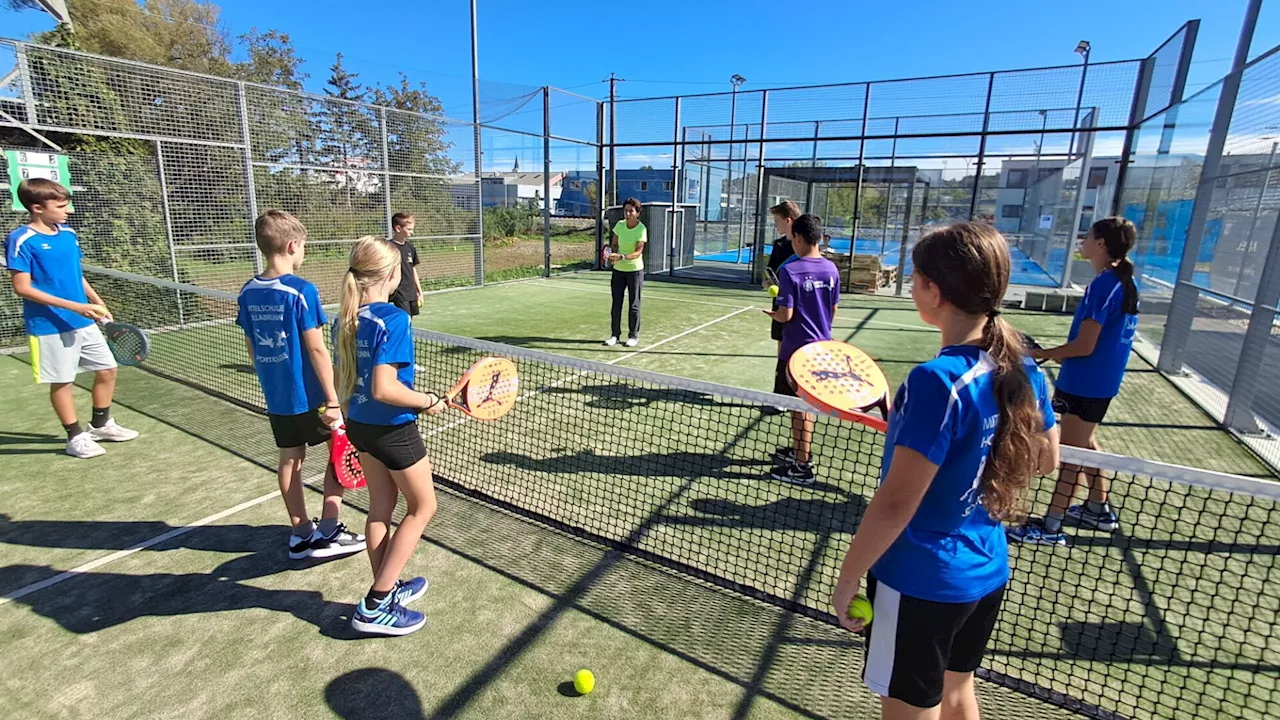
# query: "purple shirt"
{"type": "Point", "coordinates": [811, 287]}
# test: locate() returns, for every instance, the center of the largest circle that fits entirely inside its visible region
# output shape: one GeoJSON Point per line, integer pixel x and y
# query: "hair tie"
{"type": "Point", "coordinates": [993, 314]}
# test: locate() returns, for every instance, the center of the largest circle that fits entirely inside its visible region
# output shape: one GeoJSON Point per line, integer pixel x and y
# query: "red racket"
{"type": "Point", "coordinates": [841, 380]}
{"type": "Point", "coordinates": [345, 459]}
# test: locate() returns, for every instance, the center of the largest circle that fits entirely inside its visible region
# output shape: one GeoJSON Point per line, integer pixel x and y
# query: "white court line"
{"type": "Point", "coordinates": [725, 305]}
{"type": "Point", "coordinates": [614, 361]}
{"type": "Point", "coordinates": [95, 564]}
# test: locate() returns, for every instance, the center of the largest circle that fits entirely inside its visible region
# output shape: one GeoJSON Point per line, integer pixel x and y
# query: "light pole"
{"type": "Point", "coordinates": [1083, 49]}
{"type": "Point", "coordinates": [737, 81]}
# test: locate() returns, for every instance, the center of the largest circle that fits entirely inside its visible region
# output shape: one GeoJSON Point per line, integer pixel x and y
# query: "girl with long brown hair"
{"type": "Point", "coordinates": [967, 432]}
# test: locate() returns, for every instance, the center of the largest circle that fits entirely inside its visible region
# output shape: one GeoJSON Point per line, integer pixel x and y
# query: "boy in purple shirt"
{"type": "Point", "coordinates": [808, 293]}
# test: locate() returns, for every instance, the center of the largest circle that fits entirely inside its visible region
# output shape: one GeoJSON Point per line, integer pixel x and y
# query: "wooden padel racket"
{"type": "Point", "coordinates": [841, 380]}
{"type": "Point", "coordinates": [128, 343]}
{"type": "Point", "coordinates": [345, 459]}
{"type": "Point", "coordinates": [487, 390]}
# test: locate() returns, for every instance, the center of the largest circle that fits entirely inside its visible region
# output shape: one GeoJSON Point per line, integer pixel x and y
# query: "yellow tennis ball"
{"type": "Point", "coordinates": [860, 609]}
{"type": "Point", "coordinates": [584, 682]}
{"type": "Point", "coordinates": [773, 291]}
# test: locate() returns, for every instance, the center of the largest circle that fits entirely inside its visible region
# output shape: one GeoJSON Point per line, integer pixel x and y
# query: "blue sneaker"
{"type": "Point", "coordinates": [1082, 516]}
{"type": "Point", "coordinates": [406, 591]}
{"type": "Point", "coordinates": [388, 618]}
{"type": "Point", "coordinates": [1032, 532]}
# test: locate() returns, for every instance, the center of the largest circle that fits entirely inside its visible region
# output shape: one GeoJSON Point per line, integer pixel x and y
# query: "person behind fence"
{"type": "Point", "coordinates": [283, 326]}
{"type": "Point", "coordinates": [808, 295]}
{"type": "Point", "coordinates": [627, 241]}
{"type": "Point", "coordinates": [60, 310]}
{"type": "Point", "coordinates": [783, 214]}
{"type": "Point", "coordinates": [1093, 363]}
{"type": "Point", "coordinates": [374, 341]}
{"type": "Point", "coordinates": [967, 432]}
{"type": "Point", "coordinates": [408, 294]}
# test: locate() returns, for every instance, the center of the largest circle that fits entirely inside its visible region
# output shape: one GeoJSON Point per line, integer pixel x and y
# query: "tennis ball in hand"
{"type": "Point", "coordinates": [860, 609]}
{"type": "Point", "coordinates": [773, 291]}
{"type": "Point", "coordinates": [584, 682]}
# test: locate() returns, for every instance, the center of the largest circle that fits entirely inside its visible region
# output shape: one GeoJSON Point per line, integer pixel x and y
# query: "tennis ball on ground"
{"type": "Point", "coordinates": [584, 682]}
{"type": "Point", "coordinates": [773, 291]}
{"type": "Point", "coordinates": [860, 609]}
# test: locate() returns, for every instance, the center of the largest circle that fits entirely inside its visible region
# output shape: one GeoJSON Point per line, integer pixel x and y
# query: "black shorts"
{"type": "Point", "coordinates": [775, 327]}
{"type": "Point", "coordinates": [293, 431]}
{"type": "Point", "coordinates": [409, 306]}
{"type": "Point", "coordinates": [396, 446]}
{"type": "Point", "coordinates": [913, 642]}
{"type": "Point", "coordinates": [1090, 410]}
{"type": "Point", "coordinates": [782, 379]}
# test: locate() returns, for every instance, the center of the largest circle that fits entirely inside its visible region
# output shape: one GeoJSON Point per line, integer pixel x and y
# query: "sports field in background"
{"type": "Point", "coordinates": [215, 622]}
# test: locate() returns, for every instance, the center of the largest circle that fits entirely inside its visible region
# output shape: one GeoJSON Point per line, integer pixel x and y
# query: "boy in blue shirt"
{"type": "Point", "coordinates": [60, 308]}
{"type": "Point", "coordinates": [808, 293]}
{"type": "Point", "coordinates": [283, 324]}
{"type": "Point", "coordinates": [967, 431]}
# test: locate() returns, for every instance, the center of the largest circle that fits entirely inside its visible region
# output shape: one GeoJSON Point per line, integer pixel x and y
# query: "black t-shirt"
{"type": "Point", "coordinates": [408, 259]}
{"type": "Point", "coordinates": [782, 251]}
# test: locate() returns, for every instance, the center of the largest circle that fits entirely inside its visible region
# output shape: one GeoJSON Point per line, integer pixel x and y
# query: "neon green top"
{"type": "Point", "coordinates": [628, 240]}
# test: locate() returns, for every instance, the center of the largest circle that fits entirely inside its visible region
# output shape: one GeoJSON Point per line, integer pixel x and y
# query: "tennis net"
{"type": "Point", "coordinates": [1172, 616]}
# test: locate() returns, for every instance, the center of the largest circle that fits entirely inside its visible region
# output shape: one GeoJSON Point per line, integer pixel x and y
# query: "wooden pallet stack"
{"type": "Point", "coordinates": [862, 273]}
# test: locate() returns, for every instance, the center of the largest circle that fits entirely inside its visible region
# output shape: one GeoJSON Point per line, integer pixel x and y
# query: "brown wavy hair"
{"type": "Point", "coordinates": [969, 264]}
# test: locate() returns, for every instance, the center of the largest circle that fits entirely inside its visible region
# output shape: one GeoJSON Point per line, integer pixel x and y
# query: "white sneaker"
{"type": "Point", "coordinates": [111, 432]}
{"type": "Point", "coordinates": [613, 340]}
{"type": "Point", "coordinates": [632, 342]}
{"type": "Point", "coordinates": [83, 446]}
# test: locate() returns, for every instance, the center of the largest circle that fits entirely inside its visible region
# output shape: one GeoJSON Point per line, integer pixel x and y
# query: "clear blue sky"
{"type": "Point", "coordinates": [695, 45]}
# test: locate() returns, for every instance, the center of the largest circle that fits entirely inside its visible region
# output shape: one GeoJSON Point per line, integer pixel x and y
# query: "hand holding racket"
{"type": "Point", "coordinates": [1033, 349]}
{"type": "Point", "coordinates": [770, 283]}
{"type": "Point", "coordinates": [487, 390]}
{"type": "Point", "coordinates": [841, 380]}
{"type": "Point", "coordinates": [128, 343]}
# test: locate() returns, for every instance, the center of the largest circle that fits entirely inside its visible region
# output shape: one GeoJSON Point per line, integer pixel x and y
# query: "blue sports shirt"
{"type": "Point", "coordinates": [274, 313]}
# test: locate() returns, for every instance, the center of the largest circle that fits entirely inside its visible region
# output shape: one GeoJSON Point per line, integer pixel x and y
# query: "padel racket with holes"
{"type": "Point", "coordinates": [1030, 343]}
{"type": "Point", "coordinates": [128, 343]}
{"type": "Point", "coordinates": [841, 380]}
{"type": "Point", "coordinates": [345, 459]}
{"type": "Point", "coordinates": [487, 390]}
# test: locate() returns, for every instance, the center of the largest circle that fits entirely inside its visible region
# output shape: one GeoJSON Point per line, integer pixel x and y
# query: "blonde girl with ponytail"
{"type": "Point", "coordinates": [375, 357]}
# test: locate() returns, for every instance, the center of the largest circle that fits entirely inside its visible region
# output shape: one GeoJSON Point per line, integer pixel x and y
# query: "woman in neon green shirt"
{"type": "Point", "coordinates": [627, 240]}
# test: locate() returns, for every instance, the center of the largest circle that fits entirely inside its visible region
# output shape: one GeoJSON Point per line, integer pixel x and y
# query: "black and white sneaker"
{"type": "Point", "coordinates": [341, 542]}
{"type": "Point", "coordinates": [785, 455]}
{"type": "Point", "coordinates": [794, 473]}
{"type": "Point", "coordinates": [300, 547]}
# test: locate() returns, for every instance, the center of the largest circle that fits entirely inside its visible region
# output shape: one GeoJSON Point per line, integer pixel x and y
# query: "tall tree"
{"type": "Point", "coordinates": [418, 150]}
{"type": "Point", "coordinates": [344, 137]}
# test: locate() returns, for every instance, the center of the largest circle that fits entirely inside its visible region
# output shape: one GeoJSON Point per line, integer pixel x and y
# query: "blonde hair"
{"type": "Point", "coordinates": [372, 261]}
{"type": "Point", "coordinates": [275, 229]}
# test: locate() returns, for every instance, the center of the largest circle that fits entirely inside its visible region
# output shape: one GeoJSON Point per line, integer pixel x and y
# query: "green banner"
{"type": "Point", "coordinates": [25, 164]}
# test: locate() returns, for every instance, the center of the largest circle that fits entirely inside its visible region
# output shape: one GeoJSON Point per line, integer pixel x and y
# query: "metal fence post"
{"type": "Point", "coordinates": [248, 175]}
{"type": "Point", "coordinates": [676, 149]}
{"type": "Point", "coordinates": [28, 87]}
{"type": "Point", "coordinates": [1140, 92]}
{"type": "Point", "coordinates": [546, 181]}
{"type": "Point", "coordinates": [857, 189]}
{"type": "Point", "coordinates": [599, 203]}
{"type": "Point", "coordinates": [1086, 159]}
{"type": "Point", "coordinates": [982, 157]}
{"type": "Point", "coordinates": [906, 234]}
{"type": "Point", "coordinates": [762, 203]}
{"type": "Point", "coordinates": [1182, 308]}
{"type": "Point", "coordinates": [1239, 413]}
{"type": "Point", "coordinates": [168, 227]}
{"type": "Point", "coordinates": [386, 171]}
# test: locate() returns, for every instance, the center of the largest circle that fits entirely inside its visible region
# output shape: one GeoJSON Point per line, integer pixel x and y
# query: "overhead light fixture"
{"type": "Point", "coordinates": [1083, 47]}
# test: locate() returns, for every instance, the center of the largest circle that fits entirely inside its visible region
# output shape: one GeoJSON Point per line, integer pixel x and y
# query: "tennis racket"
{"type": "Point", "coordinates": [1029, 343]}
{"type": "Point", "coordinates": [770, 278]}
{"type": "Point", "coordinates": [605, 252]}
{"type": "Point", "coordinates": [487, 390]}
{"type": "Point", "coordinates": [841, 380]}
{"type": "Point", "coordinates": [128, 343]}
{"type": "Point", "coordinates": [345, 459]}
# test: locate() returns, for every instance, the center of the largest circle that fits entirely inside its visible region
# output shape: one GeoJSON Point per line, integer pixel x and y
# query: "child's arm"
{"type": "Point", "coordinates": [95, 298]}
{"type": "Point", "coordinates": [783, 309]}
{"type": "Point", "coordinates": [248, 347]}
{"type": "Point", "coordinates": [313, 343]}
{"type": "Point", "coordinates": [388, 389]}
{"type": "Point", "coordinates": [23, 289]}
{"type": "Point", "coordinates": [417, 283]}
{"type": "Point", "coordinates": [1086, 340]}
{"type": "Point", "coordinates": [782, 314]}
{"type": "Point", "coordinates": [886, 517]}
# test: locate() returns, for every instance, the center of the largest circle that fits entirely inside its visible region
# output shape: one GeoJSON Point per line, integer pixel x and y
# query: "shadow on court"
{"type": "Point", "coordinates": [373, 694]}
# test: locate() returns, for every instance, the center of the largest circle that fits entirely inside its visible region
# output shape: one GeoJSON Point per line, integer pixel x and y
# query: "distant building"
{"type": "Point", "coordinates": [517, 189]}
{"type": "Point", "coordinates": [1035, 196]}
{"type": "Point", "coordinates": [645, 185]}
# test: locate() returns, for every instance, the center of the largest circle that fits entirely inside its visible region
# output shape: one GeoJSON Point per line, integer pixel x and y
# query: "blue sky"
{"type": "Point", "coordinates": [693, 46]}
